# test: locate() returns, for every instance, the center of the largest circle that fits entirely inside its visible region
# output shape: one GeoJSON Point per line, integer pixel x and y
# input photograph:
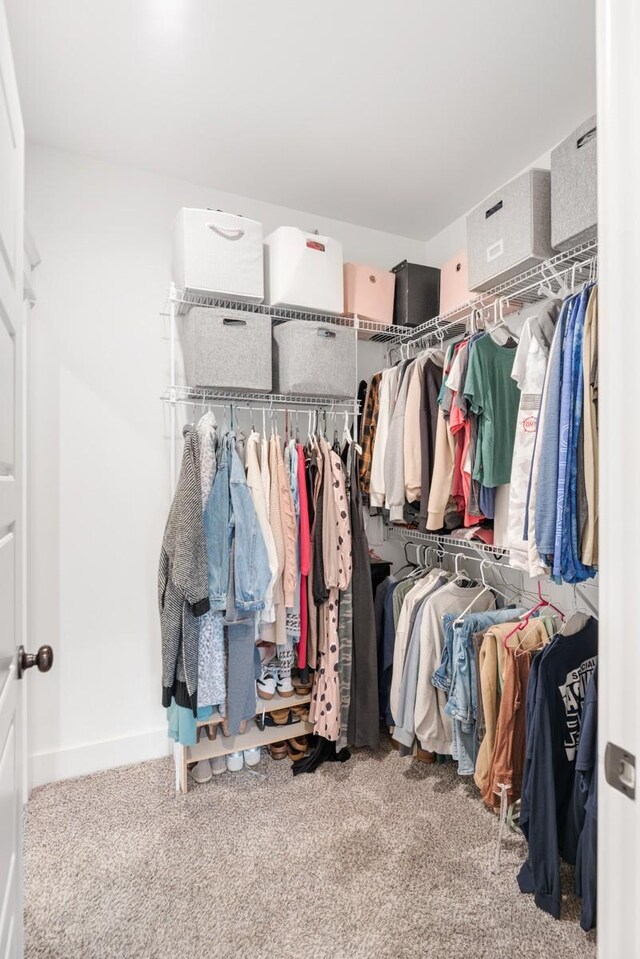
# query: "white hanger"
{"type": "Point", "coordinates": [346, 435]}
{"type": "Point", "coordinates": [486, 589]}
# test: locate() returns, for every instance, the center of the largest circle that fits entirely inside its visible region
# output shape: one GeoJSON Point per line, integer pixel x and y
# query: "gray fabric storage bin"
{"type": "Point", "coordinates": [314, 358]}
{"type": "Point", "coordinates": [574, 188]}
{"type": "Point", "coordinates": [511, 231]}
{"type": "Point", "coordinates": [230, 349]}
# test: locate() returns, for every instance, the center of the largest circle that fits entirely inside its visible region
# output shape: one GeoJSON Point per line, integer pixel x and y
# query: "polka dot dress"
{"type": "Point", "coordinates": [325, 699]}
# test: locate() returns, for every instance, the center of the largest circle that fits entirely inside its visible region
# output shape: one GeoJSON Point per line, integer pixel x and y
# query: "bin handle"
{"type": "Point", "coordinates": [589, 135]}
{"type": "Point", "coordinates": [328, 334]}
{"type": "Point", "coordinates": [226, 234]}
{"type": "Point", "coordinates": [233, 321]}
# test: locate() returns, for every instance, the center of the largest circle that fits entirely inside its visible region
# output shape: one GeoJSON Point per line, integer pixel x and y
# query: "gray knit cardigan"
{"type": "Point", "coordinates": [183, 582]}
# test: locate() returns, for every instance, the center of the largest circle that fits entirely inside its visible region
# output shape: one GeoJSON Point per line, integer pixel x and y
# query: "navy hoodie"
{"type": "Point", "coordinates": [555, 695]}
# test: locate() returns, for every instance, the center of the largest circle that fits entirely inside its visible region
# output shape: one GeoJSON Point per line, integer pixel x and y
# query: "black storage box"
{"type": "Point", "coordinates": [417, 295]}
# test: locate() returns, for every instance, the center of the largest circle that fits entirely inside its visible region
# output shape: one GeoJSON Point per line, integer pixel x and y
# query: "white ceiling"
{"type": "Point", "coordinates": [398, 116]}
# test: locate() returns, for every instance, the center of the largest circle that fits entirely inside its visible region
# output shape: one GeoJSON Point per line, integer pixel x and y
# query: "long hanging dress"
{"type": "Point", "coordinates": [364, 727]}
{"type": "Point", "coordinates": [345, 633]}
{"type": "Point", "coordinates": [325, 701]}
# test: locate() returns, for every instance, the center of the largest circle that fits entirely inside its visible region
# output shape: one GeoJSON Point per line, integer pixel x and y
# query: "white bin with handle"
{"type": "Point", "coordinates": [303, 269]}
{"type": "Point", "coordinates": [218, 254]}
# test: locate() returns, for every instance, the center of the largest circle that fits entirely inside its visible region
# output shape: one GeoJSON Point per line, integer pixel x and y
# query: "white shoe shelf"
{"type": "Point", "coordinates": [253, 736]}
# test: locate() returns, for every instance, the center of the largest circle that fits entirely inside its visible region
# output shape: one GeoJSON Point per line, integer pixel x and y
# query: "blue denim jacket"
{"type": "Point", "coordinates": [461, 674]}
{"type": "Point", "coordinates": [462, 703]}
{"type": "Point", "coordinates": [230, 516]}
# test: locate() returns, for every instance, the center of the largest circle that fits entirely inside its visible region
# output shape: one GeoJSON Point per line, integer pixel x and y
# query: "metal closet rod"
{"type": "Point", "coordinates": [330, 411]}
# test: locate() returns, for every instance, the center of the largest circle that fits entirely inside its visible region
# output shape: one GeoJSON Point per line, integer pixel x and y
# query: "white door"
{"type": "Point", "coordinates": [619, 399]}
{"type": "Point", "coordinates": [11, 457]}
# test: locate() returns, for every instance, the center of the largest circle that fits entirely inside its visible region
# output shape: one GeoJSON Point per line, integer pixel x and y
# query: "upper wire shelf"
{"type": "Point", "coordinates": [531, 286]}
{"type": "Point", "coordinates": [517, 292]}
{"type": "Point", "coordinates": [249, 399]}
{"type": "Point", "coordinates": [183, 300]}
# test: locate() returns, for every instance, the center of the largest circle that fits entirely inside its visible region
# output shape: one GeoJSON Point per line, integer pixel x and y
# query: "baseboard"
{"type": "Point", "coordinates": [93, 757]}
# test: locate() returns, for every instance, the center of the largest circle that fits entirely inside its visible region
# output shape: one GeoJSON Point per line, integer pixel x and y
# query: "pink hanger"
{"type": "Point", "coordinates": [525, 619]}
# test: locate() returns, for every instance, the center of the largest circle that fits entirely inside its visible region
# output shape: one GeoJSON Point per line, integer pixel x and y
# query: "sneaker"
{"type": "Point", "coordinates": [267, 683]}
{"type": "Point", "coordinates": [218, 765]}
{"type": "Point", "coordinates": [234, 762]}
{"type": "Point", "coordinates": [283, 683]}
{"type": "Point", "coordinates": [201, 772]}
{"type": "Point", "coordinates": [252, 756]}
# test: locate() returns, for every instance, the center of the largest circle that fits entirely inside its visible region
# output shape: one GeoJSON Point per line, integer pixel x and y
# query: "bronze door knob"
{"type": "Point", "coordinates": [43, 659]}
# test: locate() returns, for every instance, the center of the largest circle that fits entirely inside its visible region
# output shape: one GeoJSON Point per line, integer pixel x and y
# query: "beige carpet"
{"type": "Point", "coordinates": [380, 857]}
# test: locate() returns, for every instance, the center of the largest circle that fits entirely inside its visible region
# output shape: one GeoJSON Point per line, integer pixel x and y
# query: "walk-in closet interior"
{"type": "Point", "coordinates": [318, 370]}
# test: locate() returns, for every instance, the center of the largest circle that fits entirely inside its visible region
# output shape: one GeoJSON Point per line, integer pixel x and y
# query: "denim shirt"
{"type": "Point", "coordinates": [230, 517]}
{"type": "Point", "coordinates": [547, 498]}
{"type": "Point", "coordinates": [462, 703]}
{"type": "Point", "coordinates": [461, 674]}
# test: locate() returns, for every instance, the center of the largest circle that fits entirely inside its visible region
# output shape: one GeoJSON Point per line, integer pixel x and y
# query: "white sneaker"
{"type": "Point", "coordinates": [283, 683]}
{"type": "Point", "coordinates": [201, 772]}
{"type": "Point", "coordinates": [234, 762]}
{"type": "Point", "coordinates": [252, 756]}
{"type": "Point", "coordinates": [219, 765]}
{"type": "Point", "coordinates": [267, 682]}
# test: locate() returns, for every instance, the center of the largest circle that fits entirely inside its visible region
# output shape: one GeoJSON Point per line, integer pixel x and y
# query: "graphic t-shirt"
{"type": "Point", "coordinates": [494, 397]}
{"type": "Point", "coordinates": [559, 685]}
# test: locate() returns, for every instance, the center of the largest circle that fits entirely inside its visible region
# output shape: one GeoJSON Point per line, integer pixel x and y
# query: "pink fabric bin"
{"type": "Point", "coordinates": [454, 284]}
{"type": "Point", "coordinates": [368, 294]}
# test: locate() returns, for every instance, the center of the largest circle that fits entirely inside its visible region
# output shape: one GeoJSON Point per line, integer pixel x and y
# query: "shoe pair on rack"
{"type": "Point", "coordinates": [293, 748]}
{"type": "Point", "coordinates": [204, 770]}
{"type": "Point", "coordinates": [274, 679]}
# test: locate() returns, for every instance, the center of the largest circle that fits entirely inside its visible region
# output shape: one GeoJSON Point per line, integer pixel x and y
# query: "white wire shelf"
{"type": "Point", "coordinates": [500, 555]}
{"type": "Point", "coordinates": [248, 399]}
{"type": "Point", "coordinates": [516, 293]}
{"type": "Point", "coordinates": [451, 544]}
{"type": "Point", "coordinates": [183, 300]}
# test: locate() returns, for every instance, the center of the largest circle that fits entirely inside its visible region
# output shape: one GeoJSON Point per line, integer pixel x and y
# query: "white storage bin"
{"type": "Point", "coordinates": [303, 269]}
{"type": "Point", "coordinates": [510, 231]}
{"type": "Point", "coordinates": [229, 349]}
{"type": "Point", "coordinates": [314, 358]}
{"type": "Point", "coordinates": [218, 254]}
{"type": "Point", "coordinates": [574, 188]}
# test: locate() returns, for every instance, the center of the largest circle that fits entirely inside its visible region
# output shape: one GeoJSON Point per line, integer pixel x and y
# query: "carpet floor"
{"type": "Point", "coordinates": [379, 857]}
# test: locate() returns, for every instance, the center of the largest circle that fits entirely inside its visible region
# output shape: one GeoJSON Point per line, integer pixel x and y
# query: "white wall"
{"type": "Point", "coordinates": [99, 448]}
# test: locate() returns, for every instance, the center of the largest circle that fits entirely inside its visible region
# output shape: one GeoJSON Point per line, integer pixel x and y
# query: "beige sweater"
{"type": "Point", "coordinates": [442, 480]}
{"type": "Point", "coordinates": [432, 725]}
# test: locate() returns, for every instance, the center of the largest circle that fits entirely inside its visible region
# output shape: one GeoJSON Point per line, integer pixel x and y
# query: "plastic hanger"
{"type": "Point", "coordinates": [500, 323]}
{"type": "Point", "coordinates": [541, 604]}
{"type": "Point", "coordinates": [486, 588]}
{"type": "Point", "coordinates": [347, 437]}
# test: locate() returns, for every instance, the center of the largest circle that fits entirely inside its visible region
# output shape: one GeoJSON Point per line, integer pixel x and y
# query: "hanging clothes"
{"type": "Point", "coordinates": [529, 370]}
{"type": "Point", "coordinates": [364, 726]}
{"type": "Point", "coordinates": [324, 712]}
{"type": "Point", "coordinates": [556, 692]}
{"type": "Point", "coordinates": [183, 587]}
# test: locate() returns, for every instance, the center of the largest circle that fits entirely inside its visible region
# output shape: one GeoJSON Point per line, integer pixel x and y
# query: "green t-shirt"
{"type": "Point", "coordinates": [495, 398]}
